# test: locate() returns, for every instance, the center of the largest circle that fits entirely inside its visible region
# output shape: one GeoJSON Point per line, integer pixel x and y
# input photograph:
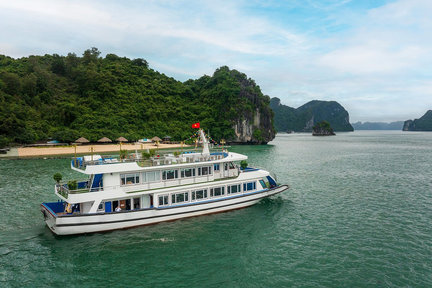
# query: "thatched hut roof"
{"type": "Point", "coordinates": [104, 140]}
{"type": "Point", "coordinates": [121, 139]}
{"type": "Point", "coordinates": [82, 140]}
{"type": "Point", "coordinates": [155, 139]}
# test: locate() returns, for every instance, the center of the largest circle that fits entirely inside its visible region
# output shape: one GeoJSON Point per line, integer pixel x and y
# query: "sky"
{"type": "Point", "coordinates": [372, 56]}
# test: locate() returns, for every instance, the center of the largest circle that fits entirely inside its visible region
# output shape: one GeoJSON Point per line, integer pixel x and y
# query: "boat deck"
{"type": "Point", "coordinates": [158, 160]}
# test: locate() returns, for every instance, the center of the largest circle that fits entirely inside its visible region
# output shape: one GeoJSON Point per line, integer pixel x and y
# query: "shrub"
{"type": "Point", "coordinates": [243, 164]}
{"type": "Point", "coordinates": [72, 185]}
{"type": "Point", "coordinates": [145, 155]}
{"type": "Point", "coordinates": [152, 152]}
{"type": "Point", "coordinates": [123, 154]}
{"type": "Point", "coordinates": [57, 177]}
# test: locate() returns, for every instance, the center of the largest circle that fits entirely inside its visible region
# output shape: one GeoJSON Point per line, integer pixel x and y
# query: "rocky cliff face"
{"type": "Point", "coordinates": [241, 105]}
{"type": "Point", "coordinates": [422, 124]}
{"type": "Point", "coordinates": [306, 116]}
{"type": "Point", "coordinates": [253, 129]}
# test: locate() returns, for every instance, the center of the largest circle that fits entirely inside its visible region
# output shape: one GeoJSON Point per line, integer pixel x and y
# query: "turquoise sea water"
{"type": "Point", "coordinates": [358, 214]}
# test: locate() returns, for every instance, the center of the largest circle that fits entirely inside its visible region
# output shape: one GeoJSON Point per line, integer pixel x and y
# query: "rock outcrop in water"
{"type": "Point", "coordinates": [322, 128]}
{"type": "Point", "coordinates": [422, 124]}
{"type": "Point", "coordinates": [306, 116]}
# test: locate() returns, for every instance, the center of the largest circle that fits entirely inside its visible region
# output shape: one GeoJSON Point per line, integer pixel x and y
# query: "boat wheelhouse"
{"type": "Point", "coordinates": [123, 193]}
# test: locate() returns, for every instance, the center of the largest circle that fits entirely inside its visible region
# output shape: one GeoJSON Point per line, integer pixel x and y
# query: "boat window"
{"type": "Point", "coordinates": [180, 197]}
{"type": "Point", "coordinates": [115, 204]}
{"type": "Point", "coordinates": [199, 194]}
{"type": "Point", "coordinates": [234, 189]}
{"type": "Point", "coordinates": [218, 191]}
{"type": "Point", "coordinates": [249, 186]}
{"type": "Point", "coordinates": [206, 170]}
{"type": "Point", "coordinates": [163, 200]}
{"type": "Point", "coordinates": [128, 179]}
{"type": "Point", "coordinates": [101, 206]}
{"type": "Point", "coordinates": [263, 184]}
{"type": "Point", "coordinates": [169, 174]}
{"type": "Point", "coordinates": [188, 172]}
{"type": "Point", "coordinates": [151, 176]}
{"type": "Point", "coordinates": [216, 167]}
{"type": "Point", "coordinates": [136, 203]}
{"type": "Point", "coordinates": [231, 165]}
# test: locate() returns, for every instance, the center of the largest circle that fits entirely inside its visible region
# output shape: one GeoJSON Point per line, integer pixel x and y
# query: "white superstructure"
{"type": "Point", "coordinates": [122, 193]}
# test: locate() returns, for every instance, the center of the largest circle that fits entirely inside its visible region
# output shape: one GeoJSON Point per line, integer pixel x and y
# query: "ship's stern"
{"type": "Point", "coordinates": [49, 211]}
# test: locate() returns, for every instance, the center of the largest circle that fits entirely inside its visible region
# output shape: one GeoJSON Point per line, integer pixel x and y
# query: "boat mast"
{"type": "Point", "coordinates": [206, 150]}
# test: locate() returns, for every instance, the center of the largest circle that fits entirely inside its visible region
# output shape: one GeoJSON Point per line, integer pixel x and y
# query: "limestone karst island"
{"type": "Point", "coordinates": [63, 98]}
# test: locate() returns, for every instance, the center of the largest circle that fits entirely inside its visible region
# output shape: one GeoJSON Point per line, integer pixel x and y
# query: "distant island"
{"type": "Point", "coordinates": [323, 128]}
{"type": "Point", "coordinates": [305, 117]}
{"type": "Point", "coordinates": [422, 124]}
{"type": "Point", "coordinates": [378, 125]}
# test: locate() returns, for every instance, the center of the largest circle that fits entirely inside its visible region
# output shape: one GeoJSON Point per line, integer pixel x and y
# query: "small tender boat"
{"type": "Point", "coordinates": [123, 193]}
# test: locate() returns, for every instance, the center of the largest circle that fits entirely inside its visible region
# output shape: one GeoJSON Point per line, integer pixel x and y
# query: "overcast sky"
{"type": "Point", "coordinates": [372, 56]}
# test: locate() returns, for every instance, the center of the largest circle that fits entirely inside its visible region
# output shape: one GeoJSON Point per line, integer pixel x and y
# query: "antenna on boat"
{"type": "Point", "coordinates": [206, 150]}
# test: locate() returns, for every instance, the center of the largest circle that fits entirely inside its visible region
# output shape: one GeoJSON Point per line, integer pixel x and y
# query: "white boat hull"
{"type": "Point", "coordinates": [79, 224]}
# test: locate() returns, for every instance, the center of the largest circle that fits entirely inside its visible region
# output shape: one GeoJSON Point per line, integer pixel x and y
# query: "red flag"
{"type": "Point", "coordinates": [196, 125]}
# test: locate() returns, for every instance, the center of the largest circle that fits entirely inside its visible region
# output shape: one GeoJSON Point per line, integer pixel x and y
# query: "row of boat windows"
{"type": "Point", "coordinates": [176, 198]}
{"type": "Point", "coordinates": [201, 194]}
{"type": "Point", "coordinates": [186, 173]}
{"type": "Point", "coordinates": [120, 205]}
{"type": "Point", "coordinates": [153, 176]}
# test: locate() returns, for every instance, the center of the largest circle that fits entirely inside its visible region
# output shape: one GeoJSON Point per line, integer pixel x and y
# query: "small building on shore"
{"type": "Point", "coordinates": [81, 140]}
{"type": "Point", "coordinates": [104, 140]}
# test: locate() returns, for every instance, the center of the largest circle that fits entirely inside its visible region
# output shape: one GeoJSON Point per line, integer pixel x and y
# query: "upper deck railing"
{"type": "Point", "coordinates": [157, 160]}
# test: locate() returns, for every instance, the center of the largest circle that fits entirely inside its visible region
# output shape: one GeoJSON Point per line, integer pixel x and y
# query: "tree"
{"type": "Point", "coordinates": [58, 65]}
{"type": "Point", "coordinates": [57, 177]}
{"type": "Point", "coordinates": [12, 83]}
{"type": "Point", "coordinates": [140, 62]}
{"type": "Point", "coordinates": [91, 55]}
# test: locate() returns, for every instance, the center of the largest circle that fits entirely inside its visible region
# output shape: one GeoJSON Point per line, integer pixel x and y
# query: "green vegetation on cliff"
{"type": "Point", "coordinates": [65, 97]}
{"type": "Point", "coordinates": [306, 116]}
{"type": "Point", "coordinates": [422, 124]}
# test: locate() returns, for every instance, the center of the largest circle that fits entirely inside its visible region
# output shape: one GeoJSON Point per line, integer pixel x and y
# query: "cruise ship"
{"type": "Point", "coordinates": [122, 193]}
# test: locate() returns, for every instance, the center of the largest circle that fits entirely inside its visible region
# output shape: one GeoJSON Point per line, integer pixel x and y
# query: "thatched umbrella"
{"type": "Point", "coordinates": [156, 139]}
{"type": "Point", "coordinates": [82, 140]}
{"type": "Point", "coordinates": [104, 140]}
{"type": "Point", "coordinates": [121, 139]}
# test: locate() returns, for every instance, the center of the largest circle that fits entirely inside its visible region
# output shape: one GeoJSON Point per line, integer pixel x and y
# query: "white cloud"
{"type": "Point", "coordinates": [364, 60]}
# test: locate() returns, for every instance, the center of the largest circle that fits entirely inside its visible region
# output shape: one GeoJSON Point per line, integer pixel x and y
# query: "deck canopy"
{"type": "Point", "coordinates": [82, 140]}
{"type": "Point", "coordinates": [121, 139]}
{"type": "Point", "coordinates": [104, 140]}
